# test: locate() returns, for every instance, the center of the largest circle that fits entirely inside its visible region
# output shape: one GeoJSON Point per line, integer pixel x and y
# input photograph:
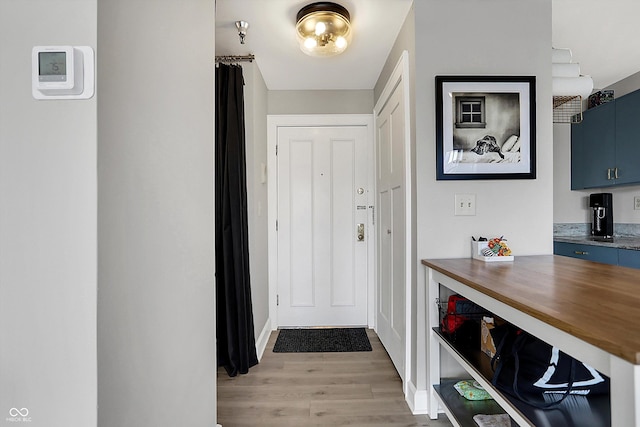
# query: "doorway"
{"type": "Point", "coordinates": [393, 189]}
{"type": "Point", "coordinates": [320, 177]}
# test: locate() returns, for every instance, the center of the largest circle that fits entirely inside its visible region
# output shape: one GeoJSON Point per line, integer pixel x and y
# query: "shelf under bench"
{"type": "Point", "coordinates": [460, 409]}
{"type": "Point", "coordinates": [588, 310]}
{"type": "Point", "coordinates": [574, 411]}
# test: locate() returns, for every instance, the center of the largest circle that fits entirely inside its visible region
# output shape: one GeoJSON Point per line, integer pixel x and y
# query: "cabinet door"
{"type": "Point", "coordinates": [628, 138]}
{"type": "Point", "coordinates": [629, 258]}
{"type": "Point", "coordinates": [577, 164]}
{"type": "Point", "coordinates": [593, 148]}
{"type": "Point", "coordinates": [588, 252]}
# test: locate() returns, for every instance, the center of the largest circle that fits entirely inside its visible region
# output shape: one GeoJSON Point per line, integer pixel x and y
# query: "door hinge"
{"type": "Point", "coordinates": [277, 299]}
{"type": "Point", "coordinates": [276, 225]}
{"type": "Point", "coordinates": [276, 150]}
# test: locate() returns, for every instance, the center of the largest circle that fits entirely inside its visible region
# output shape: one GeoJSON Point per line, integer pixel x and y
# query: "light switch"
{"type": "Point", "coordinates": [465, 204]}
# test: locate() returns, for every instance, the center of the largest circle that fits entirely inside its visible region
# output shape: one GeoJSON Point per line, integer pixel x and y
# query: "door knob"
{"type": "Point", "coordinates": [360, 232]}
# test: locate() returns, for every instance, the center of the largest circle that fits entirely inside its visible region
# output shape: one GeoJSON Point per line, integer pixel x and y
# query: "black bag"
{"type": "Point", "coordinates": [530, 369]}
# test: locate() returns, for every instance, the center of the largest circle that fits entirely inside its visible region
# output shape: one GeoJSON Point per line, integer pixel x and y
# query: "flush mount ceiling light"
{"type": "Point", "coordinates": [324, 29]}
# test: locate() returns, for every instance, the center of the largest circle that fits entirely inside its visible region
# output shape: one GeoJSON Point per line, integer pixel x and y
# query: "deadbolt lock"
{"type": "Point", "coordinates": [360, 232]}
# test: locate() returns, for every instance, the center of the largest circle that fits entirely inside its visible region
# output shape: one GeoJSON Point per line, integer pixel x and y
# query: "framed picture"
{"type": "Point", "coordinates": [485, 127]}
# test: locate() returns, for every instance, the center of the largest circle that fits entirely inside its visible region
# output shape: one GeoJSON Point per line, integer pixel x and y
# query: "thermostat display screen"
{"type": "Point", "coordinates": [62, 72]}
{"type": "Point", "coordinates": [52, 66]}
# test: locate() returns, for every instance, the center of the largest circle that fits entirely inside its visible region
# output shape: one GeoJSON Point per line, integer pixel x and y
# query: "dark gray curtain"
{"type": "Point", "coordinates": [235, 336]}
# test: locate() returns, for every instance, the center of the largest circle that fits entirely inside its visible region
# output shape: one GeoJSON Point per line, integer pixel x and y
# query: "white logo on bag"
{"type": "Point", "coordinates": [544, 381]}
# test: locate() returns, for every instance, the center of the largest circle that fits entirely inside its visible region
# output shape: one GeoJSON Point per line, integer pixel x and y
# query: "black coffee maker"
{"type": "Point", "coordinates": [602, 206]}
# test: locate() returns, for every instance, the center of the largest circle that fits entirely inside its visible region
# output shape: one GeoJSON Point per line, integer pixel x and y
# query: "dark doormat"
{"type": "Point", "coordinates": [322, 340]}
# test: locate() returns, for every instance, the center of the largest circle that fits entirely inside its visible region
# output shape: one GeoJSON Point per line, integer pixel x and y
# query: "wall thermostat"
{"type": "Point", "coordinates": [62, 72]}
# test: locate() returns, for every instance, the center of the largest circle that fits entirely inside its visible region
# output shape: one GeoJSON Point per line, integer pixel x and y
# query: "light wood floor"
{"type": "Point", "coordinates": [318, 389]}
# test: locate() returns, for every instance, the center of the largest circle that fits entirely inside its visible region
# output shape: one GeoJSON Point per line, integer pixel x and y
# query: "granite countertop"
{"type": "Point", "coordinates": [626, 236]}
{"type": "Point", "coordinates": [632, 243]}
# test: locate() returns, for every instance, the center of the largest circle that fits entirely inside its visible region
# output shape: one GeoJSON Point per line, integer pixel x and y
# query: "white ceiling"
{"type": "Point", "coordinates": [272, 39]}
{"type": "Point", "coordinates": [601, 35]}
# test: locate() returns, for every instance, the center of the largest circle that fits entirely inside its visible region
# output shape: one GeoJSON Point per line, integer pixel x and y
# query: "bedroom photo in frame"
{"type": "Point", "coordinates": [485, 127]}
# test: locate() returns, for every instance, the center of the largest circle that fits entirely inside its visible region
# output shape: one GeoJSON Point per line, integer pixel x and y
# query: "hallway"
{"type": "Point", "coordinates": [318, 389]}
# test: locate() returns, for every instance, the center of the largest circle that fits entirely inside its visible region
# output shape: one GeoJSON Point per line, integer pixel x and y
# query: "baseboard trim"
{"type": "Point", "coordinates": [417, 400]}
{"type": "Point", "coordinates": [261, 342]}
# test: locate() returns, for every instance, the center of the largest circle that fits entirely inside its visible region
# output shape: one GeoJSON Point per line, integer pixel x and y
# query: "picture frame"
{"type": "Point", "coordinates": [485, 127]}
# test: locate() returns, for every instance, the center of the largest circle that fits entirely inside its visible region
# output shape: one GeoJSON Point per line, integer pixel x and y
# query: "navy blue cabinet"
{"type": "Point", "coordinates": [628, 139]}
{"type": "Point", "coordinates": [603, 254]}
{"type": "Point", "coordinates": [593, 151]}
{"type": "Point", "coordinates": [589, 252]}
{"type": "Point", "coordinates": [629, 258]}
{"type": "Point", "coordinates": [605, 146]}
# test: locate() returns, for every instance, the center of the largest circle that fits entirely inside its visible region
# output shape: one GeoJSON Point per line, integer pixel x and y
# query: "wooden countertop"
{"type": "Point", "coordinates": [597, 303]}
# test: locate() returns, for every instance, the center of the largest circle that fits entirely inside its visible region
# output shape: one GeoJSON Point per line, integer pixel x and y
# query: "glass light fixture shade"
{"type": "Point", "coordinates": [324, 29]}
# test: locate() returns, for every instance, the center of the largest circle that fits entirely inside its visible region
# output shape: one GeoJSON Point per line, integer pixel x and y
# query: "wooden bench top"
{"type": "Point", "coordinates": [597, 303]}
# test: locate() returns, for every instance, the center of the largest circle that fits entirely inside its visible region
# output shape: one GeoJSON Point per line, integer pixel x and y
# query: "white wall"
{"type": "Point", "coordinates": [406, 40]}
{"type": "Point", "coordinates": [521, 210]}
{"type": "Point", "coordinates": [48, 243]}
{"type": "Point", "coordinates": [573, 206]}
{"type": "Point", "coordinates": [568, 206]}
{"type": "Point", "coordinates": [255, 96]}
{"type": "Point", "coordinates": [320, 102]}
{"type": "Point", "coordinates": [626, 85]}
{"type": "Point", "coordinates": [156, 308]}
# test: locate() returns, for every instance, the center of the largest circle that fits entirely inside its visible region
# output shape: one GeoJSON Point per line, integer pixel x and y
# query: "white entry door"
{"type": "Point", "coordinates": [391, 322]}
{"type": "Point", "coordinates": [322, 199]}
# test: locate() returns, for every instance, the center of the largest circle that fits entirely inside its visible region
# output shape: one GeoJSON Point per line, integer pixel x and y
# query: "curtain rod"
{"type": "Point", "coordinates": [235, 58]}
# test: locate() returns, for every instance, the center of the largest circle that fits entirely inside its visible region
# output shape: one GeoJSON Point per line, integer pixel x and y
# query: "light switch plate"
{"type": "Point", "coordinates": [465, 204]}
{"type": "Point", "coordinates": [636, 203]}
